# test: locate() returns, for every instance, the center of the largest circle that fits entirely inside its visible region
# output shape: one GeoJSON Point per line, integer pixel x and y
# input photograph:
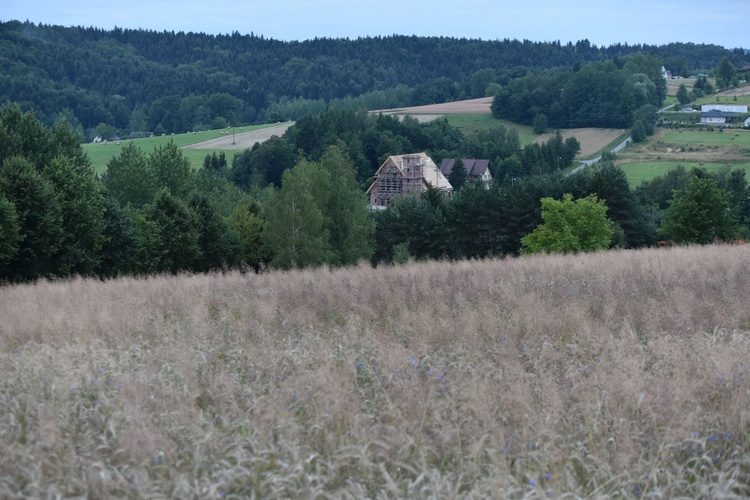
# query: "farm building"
{"type": "Point", "coordinates": [402, 174]}
{"type": "Point", "coordinates": [716, 117]}
{"type": "Point", "coordinates": [747, 122]}
{"type": "Point", "coordinates": [477, 170]}
{"type": "Point", "coordinates": [726, 108]}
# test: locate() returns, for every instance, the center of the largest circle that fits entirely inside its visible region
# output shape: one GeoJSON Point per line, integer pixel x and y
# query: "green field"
{"type": "Point", "coordinates": [472, 123]}
{"type": "Point", "coordinates": [697, 137]}
{"type": "Point", "coordinates": [101, 153]}
{"type": "Point", "coordinates": [637, 172]}
{"type": "Point", "coordinates": [731, 100]}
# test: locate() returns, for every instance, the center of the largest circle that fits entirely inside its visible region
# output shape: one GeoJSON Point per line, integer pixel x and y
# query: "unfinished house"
{"type": "Point", "coordinates": [402, 174]}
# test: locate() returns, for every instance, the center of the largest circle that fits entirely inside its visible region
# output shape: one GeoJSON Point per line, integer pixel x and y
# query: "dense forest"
{"type": "Point", "coordinates": [106, 82]}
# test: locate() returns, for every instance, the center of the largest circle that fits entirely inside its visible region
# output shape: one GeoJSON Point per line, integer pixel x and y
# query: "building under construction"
{"type": "Point", "coordinates": [402, 174]}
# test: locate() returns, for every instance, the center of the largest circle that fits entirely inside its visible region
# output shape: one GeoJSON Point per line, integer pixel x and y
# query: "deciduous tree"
{"type": "Point", "coordinates": [699, 214]}
{"type": "Point", "coordinates": [294, 232]}
{"type": "Point", "coordinates": [570, 226]}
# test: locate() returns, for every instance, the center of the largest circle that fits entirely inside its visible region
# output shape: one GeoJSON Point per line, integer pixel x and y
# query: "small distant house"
{"type": "Point", "coordinates": [477, 170]}
{"type": "Point", "coordinates": [716, 117]}
{"type": "Point", "coordinates": [403, 174]}
{"type": "Point", "coordinates": [747, 122]}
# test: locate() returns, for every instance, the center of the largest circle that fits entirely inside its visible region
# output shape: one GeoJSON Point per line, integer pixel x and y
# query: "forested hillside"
{"type": "Point", "coordinates": [124, 81]}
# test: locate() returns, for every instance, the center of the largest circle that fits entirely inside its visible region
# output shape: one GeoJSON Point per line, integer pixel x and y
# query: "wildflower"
{"type": "Point", "coordinates": [532, 482]}
{"type": "Point", "coordinates": [109, 381]}
{"type": "Point", "coordinates": [547, 475]}
{"type": "Point", "coordinates": [223, 494]}
{"type": "Point", "coordinates": [101, 370]}
{"type": "Point", "coordinates": [637, 490]}
{"type": "Point", "coordinates": [156, 459]}
{"type": "Point", "coordinates": [397, 370]}
{"type": "Point", "coordinates": [695, 434]}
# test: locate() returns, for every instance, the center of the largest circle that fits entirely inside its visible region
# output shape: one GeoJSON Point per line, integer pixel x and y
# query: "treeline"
{"type": "Point", "coordinates": [106, 82]}
{"type": "Point", "coordinates": [368, 139]}
{"type": "Point", "coordinates": [605, 94]}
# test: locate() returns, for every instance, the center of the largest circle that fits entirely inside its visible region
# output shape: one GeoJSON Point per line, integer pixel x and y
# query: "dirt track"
{"type": "Point", "coordinates": [242, 140]}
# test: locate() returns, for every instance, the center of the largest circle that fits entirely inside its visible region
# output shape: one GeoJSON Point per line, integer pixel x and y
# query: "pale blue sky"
{"type": "Point", "coordinates": [603, 22]}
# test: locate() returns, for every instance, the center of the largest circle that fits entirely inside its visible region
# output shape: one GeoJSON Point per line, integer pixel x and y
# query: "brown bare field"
{"type": "Point", "coordinates": [674, 85]}
{"type": "Point", "coordinates": [479, 106]}
{"type": "Point", "coordinates": [243, 140]}
{"type": "Point", "coordinates": [592, 140]}
{"type": "Point", "coordinates": [615, 374]}
{"type": "Point", "coordinates": [743, 90]}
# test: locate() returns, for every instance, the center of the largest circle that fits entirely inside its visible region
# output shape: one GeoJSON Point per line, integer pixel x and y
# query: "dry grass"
{"type": "Point", "coordinates": [615, 374]}
{"type": "Point", "coordinates": [592, 140]}
{"type": "Point", "coordinates": [480, 106]}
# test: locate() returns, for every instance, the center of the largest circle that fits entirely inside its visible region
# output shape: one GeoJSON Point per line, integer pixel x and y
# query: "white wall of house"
{"type": "Point", "coordinates": [713, 119]}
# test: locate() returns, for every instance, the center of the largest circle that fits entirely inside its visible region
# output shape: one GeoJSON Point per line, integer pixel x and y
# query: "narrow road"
{"type": "Point", "coordinates": [587, 163]}
{"type": "Point", "coordinates": [619, 147]}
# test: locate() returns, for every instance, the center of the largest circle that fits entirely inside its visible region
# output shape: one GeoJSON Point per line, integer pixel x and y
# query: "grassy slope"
{"type": "Point", "coordinates": [617, 374]}
{"type": "Point", "coordinates": [472, 123]}
{"type": "Point", "coordinates": [101, 153]}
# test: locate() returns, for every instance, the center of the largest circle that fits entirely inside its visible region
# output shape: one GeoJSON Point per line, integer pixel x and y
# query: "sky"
{"type": "Point", "coordinates": [602, 22]}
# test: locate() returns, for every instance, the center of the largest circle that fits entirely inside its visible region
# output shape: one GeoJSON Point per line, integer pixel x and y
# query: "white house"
{"type": "Point", "coordinates": [715, 117]}
{"type": "Point", "coordinates": [747, 122]}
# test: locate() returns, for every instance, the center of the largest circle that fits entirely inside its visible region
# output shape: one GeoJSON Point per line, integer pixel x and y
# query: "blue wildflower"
{"type": "Point", "coordinates": [547, 475]}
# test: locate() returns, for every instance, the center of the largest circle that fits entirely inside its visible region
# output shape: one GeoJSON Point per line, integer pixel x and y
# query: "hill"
{"type": "Point", "coordinates": [616, 374]}
{"type": "Point", "coordinates": [136, 80]}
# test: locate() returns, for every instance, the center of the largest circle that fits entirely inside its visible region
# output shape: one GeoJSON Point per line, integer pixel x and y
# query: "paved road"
{"type": "Point", "coordinates": [587, 163]}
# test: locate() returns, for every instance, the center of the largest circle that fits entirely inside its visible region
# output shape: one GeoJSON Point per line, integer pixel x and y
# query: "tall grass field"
{"type": "Point", "coordinates": [615, 374]}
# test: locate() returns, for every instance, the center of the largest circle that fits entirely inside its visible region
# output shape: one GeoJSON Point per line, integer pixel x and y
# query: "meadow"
{"type": "Point", "coordinates": [615, 374]}
{"type": "Point", "coordinates": [668, 148]}
{"type": "Point", "coordinates": [473, 123]}
{"type": "Point", "coordinates": [101, 153]}
{"type": "Point", "coordinates": [638, 172]}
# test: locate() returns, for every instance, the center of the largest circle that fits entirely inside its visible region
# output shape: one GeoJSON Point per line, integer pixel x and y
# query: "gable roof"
{"type": "Point", "coordinates": [715, 113]}
{"type": "Point", "coordinates": [474, 167]}
{"type": "Point", "coordinates": [432, 174]}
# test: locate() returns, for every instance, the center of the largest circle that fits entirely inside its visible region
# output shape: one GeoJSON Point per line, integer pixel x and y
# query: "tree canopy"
{"type": "Point", "coordinates": [570, 226]}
